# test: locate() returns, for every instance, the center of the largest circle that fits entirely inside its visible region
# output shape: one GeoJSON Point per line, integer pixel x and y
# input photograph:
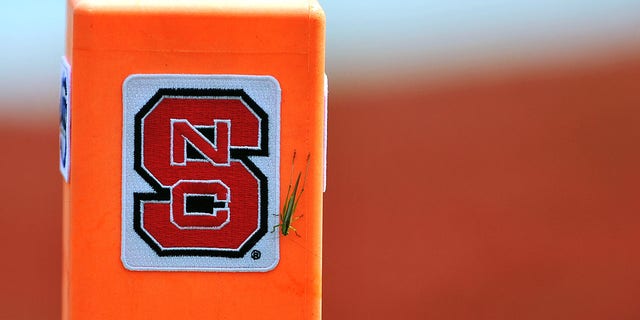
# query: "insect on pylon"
{"type": "Point", "coordinates": [181, 120]}
{"type": "Point", "coordinates": [292, 199]}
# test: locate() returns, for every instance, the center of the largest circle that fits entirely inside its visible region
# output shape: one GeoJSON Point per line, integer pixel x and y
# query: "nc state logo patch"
{"type": "Point", "coordinates": [200, 172]}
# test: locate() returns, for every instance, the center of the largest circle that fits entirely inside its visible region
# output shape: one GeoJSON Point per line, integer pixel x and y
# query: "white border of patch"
{"type": "Point", "coordinates": [137, 90]}
{"type": "Point", "coordinates": [64, 137]}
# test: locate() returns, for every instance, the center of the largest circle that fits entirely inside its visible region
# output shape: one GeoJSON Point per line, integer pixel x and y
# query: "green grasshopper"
{"type": "Point", "coordinates": [292, 199]}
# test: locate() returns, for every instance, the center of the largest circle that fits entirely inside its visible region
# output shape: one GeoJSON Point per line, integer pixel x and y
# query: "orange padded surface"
{"type": "Point", "coordinates": [106, 43]}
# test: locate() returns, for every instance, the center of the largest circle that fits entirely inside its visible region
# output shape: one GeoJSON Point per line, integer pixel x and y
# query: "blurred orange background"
{"type": "Point", "coordinates": [492, 180]}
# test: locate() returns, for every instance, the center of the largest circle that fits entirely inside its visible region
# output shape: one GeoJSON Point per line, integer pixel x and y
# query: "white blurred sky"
{"type": "Point", "coordinates": [388, 36]}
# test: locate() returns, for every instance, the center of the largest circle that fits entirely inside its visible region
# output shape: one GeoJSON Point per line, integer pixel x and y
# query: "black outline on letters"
{"type": "Point", "coordinates": [163, 194]}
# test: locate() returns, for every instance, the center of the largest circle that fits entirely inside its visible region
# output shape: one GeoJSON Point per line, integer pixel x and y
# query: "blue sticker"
{"type": "Point", "coordinates": [65, 123]}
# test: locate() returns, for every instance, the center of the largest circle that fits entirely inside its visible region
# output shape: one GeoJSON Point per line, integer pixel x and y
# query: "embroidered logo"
{"type": "Point", "coordinates": [65, 110]}
{"type": "Point", "coordinates": [200, 172]}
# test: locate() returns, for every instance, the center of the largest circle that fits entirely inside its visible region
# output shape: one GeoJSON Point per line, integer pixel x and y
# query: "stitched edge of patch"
{"type": "Point", "coordinates": [65, 119]}
{"type": "Point", "coordinates": [138, 255]}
